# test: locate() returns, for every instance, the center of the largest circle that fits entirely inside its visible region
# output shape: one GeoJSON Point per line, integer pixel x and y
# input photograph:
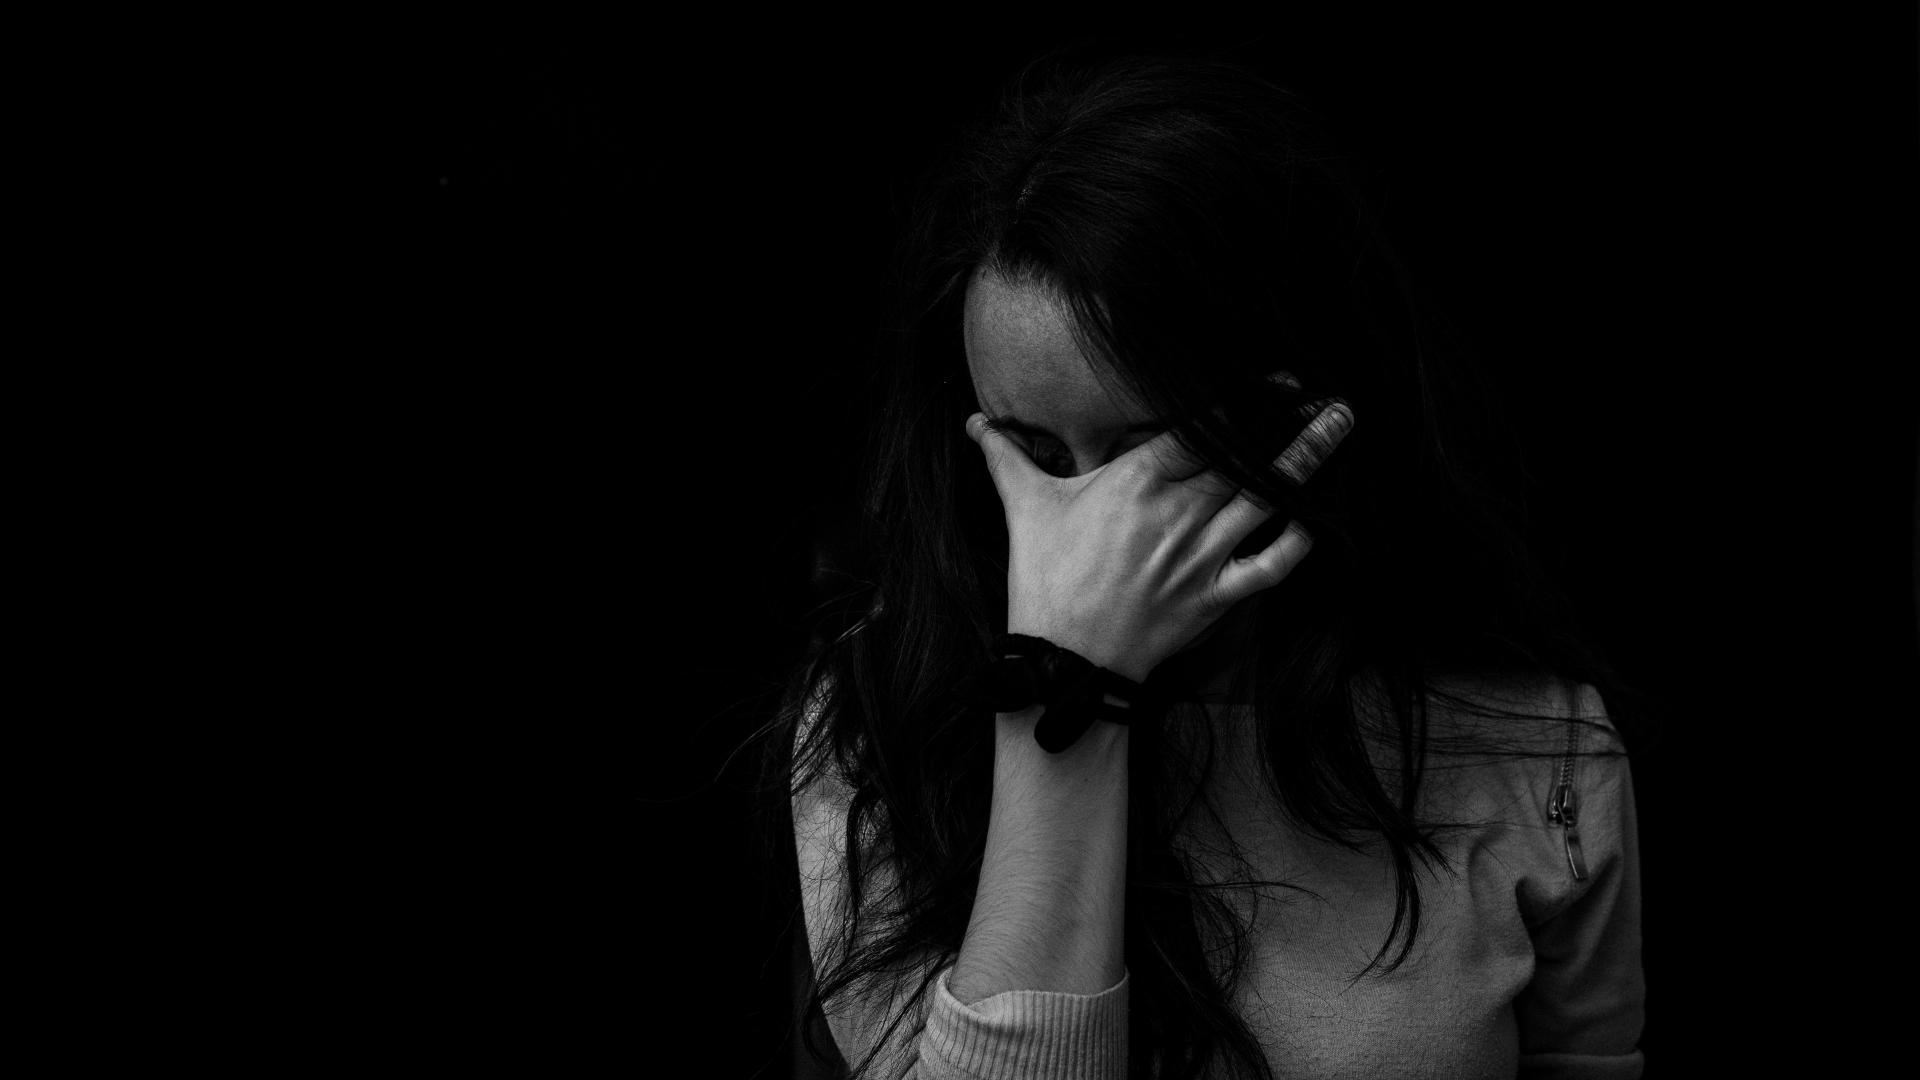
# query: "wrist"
{"type": "Point", "coordinates": [1115, 658]}
{"type": "Point", "coordinates": [1014, 744]}
{"type": "Point", "coordinates": [1125, 664]}
{"type": "Point", "coordinates": [1039, 687]}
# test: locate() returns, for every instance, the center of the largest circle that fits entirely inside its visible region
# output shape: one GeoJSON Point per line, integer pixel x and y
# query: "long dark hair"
{"type": "Point", "coordinates": [1184, 213]}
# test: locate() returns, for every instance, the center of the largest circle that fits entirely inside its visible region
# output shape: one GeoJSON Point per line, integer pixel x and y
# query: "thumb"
{"type": "Point", "coordinates": [1010, 466]}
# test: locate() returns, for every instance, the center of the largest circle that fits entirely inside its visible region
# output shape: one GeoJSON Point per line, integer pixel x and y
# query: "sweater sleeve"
{"type": "Point", "coordinates": [1027, 1033]}
{"type": "Point", "coordinates": [1022, 1034]}
{"type": "Point", "coordinates": [1583, 1011]}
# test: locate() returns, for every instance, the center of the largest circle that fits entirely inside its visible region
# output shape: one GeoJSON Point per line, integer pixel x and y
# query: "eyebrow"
{"type": "Point", "coordinates": [1031, 431]}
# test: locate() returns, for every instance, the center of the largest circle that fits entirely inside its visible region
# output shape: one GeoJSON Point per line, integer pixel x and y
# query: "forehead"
{"type": "Point", "coordinates": [1025, 362]}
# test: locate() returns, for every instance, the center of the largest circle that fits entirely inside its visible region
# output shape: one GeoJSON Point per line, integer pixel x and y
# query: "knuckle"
{"type": "Point", "coordinates": [1267, 576]}
{"type": "Point", "coordinates": [1133, 477]}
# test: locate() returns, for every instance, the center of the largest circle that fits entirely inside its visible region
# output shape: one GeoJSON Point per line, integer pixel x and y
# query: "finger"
{"type": "Point", "coordinates": [1316, 444]}
{"type": "Point", "coordinates": [1012, 470]}
{"type": "Point", "coordinates": [1299, 461]}
{"type": "Point", "coordinates": [1241, 578]}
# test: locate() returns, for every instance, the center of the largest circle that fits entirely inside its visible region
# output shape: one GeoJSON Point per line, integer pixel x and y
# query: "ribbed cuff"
{"type": "Point", "coordinates": [1582, 1066]}
{"type": "Point", "coordinates": [1022, 1034]}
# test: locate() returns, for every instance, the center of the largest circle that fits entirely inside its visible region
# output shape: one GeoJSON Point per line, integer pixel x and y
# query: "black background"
{"type": "Point", "coordinates": [600, 344]}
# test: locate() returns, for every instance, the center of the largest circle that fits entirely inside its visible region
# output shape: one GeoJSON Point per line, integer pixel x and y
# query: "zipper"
{"type": "Point", "coordinates": [1561, 809]}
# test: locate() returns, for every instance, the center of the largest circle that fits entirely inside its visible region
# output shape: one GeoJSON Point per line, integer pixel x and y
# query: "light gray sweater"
{"type": "Point", "coordinates": [1522, 967]}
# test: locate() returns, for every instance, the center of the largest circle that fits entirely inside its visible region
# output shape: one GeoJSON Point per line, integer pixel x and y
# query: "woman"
{"type": "Point", "coordinates": [1365, 813]}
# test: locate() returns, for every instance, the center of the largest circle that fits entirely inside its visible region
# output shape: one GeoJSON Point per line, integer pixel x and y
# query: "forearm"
{"type": "Point", "coordinates": [1049, 913]}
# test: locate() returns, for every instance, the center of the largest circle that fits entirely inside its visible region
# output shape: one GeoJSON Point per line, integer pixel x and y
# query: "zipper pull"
{"type": "Point", "coordinates": [1575, 860]}
{"type": "Point", "coordinates": [1561, 812]}
{"type": "Point", "coordinates": [1561, 798]}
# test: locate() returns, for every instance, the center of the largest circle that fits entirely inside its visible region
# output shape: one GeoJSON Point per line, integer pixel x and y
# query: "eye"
{"type": "Point", "coordinates": [1053, 458]}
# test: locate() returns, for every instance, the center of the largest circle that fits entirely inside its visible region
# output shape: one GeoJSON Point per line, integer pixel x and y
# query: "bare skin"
{"type": "Point", "coordinates": [1121, 550]}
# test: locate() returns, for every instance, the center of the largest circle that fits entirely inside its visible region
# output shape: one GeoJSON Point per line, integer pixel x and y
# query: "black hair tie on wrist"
{"type": "Point", "coordinates": [1028, 671]}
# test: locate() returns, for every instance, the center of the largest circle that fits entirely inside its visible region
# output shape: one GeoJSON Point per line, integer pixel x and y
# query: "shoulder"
{"type": "Point", "coordinates": [1536, 694]}
{"type": "Point", "coordinates": [822, 795]}
{"type": "Point", "coordinates": [1498, 746]}
{"type": "Point", "coordinates": [821, 798]}
{"type": "Point", "coordinates": [1477, 723]}
{"type": "Point", "coordinates": [859, 1015]}
{"type": "Point", "coordinates": [1514, 716]}
{"type": "Point", "coordinates": [1509, 757]}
